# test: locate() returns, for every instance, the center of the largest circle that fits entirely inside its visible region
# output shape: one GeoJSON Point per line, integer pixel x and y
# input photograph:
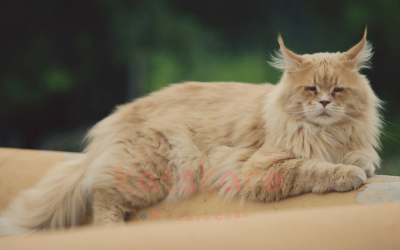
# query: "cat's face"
{"type": "Point", "coordinates": [325, 88]}
{"type": "Point", "coordinates": [326, 92]}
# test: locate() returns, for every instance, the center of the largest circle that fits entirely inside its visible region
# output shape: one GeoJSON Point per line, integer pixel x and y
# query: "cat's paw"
{"type": "Point", "coordinates": [368, 167]}
{"type": "Point", "coordinates": [362, 162]}
{"type": "Point", "coordinates": [349, 178]}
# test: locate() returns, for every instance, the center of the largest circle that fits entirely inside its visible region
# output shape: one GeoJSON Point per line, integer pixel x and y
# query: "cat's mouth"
{"type": "Point", "coordinates": [324, 114]}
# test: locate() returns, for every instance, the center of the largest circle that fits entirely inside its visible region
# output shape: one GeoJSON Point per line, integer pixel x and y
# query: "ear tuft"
{"type": "Point", "coordinates": [285, 59]}
{"type": "Point", "coordinates": [363, 60]}
{"type": "Point", "coordinates": [278, 61]}
{"type": "Point", "coordinates": [360, 55]}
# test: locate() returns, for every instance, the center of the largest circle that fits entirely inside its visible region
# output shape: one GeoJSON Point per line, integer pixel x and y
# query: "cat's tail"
{"type": "Point", "coordinates": [59, 200]}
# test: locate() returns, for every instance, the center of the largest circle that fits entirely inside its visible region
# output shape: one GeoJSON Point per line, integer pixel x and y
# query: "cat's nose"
{"type": "Point", "coordinates": [324, 103]}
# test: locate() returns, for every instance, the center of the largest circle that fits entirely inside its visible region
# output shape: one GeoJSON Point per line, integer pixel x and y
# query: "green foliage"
{"type": "Point", "coordinates": [252, 68]}
{"type": "Point", "coordinates": [57, 80]}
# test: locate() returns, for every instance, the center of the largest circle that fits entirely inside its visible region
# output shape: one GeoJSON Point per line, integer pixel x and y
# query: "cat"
{"type": "Point", "coordinates": [317, 130]}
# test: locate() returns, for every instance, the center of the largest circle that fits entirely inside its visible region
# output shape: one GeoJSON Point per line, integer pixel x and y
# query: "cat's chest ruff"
{"type": "Point", "coordinates": [317, 144]}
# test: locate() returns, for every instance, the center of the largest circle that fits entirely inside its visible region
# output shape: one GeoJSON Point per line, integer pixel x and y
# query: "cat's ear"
{"type": "Point", "coordinates": [359, 56]}
{"type": "Point", "coordinates": [285, 59]}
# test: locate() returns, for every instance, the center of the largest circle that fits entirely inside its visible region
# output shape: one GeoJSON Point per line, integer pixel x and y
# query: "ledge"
{"type": "Point", "coordinates": [315, 216]}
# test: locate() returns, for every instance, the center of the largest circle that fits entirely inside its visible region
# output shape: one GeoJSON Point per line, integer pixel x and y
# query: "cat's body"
{"type": "Point", "coordinates": [225, 137]}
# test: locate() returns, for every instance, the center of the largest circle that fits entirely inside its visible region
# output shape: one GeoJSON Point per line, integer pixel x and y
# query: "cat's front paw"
{"type": "Point", "coordinates": [368, 167]}
{"type": "Point", "coordinates": [348, 178]}
{"type": "Point", "coordinates": [362, 162]}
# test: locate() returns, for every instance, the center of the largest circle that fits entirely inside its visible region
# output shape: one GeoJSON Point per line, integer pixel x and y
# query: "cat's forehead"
{"type": "Point", "coordinates": [323, 59]}
{"type": "Point", "coordinates": [324, 68]}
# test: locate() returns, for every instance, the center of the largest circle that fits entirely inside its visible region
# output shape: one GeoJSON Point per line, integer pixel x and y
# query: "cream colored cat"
{"type": "Point", "coordinates": [315, 131]}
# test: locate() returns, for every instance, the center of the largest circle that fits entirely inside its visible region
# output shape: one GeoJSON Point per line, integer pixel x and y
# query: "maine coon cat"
{"type": "Point", "coordinates": [316, 131]}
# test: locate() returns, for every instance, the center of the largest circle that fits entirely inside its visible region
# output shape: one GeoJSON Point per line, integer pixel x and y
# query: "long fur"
{"type": "Point", "coordinates": [194, 137]}
{"type": "Point", "coordinates": [56, 201]}
{"type": "Point", "coordinates": [364, 59]}
{"type": "Point", "coordinates": [278, 61]}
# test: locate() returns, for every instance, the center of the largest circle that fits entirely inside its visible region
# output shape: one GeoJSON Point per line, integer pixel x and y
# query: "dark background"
{"type": "Point", "coordinates": [64, 65]}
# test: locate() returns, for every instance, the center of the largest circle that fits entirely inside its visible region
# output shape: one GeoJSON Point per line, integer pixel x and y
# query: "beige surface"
{"type": "Point", "coordinates": [206, 203]}
{"type": "Point", "coordinates": [348, 227]}
{"type": "Point", "coordinates": [21, 169]}
{"type": "Point", "coordinates": [206, 218]}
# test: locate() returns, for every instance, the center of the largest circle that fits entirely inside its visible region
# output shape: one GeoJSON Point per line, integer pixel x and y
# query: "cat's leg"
{"type": "Point", "coordinates": [128, 175]}
{"type": "Point", "coordinates": [269, 176]}
{"type": "Point", "coordinates": [106, 209]}
{"type": "Point", "coordinates": [363, 160]}
{"type": "Point", "coordinates": [131, 189]}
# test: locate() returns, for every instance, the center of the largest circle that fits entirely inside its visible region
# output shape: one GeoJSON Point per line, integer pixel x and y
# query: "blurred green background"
{"type": "Point", "coordinates": [66, 64]}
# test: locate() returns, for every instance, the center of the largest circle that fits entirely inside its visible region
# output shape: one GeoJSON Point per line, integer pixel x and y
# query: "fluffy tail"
{"type": "Point", "coordinates": [57, 201]}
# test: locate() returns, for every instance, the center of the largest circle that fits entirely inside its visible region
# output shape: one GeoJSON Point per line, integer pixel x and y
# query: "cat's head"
{"type": "Point", "coordinates": [326, 88]}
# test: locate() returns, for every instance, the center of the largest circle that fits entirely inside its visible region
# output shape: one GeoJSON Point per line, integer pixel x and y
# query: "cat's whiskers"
{"type": "Point", "coordinates": [353, 111]}
{"type": "Point", "coordinates": [350, 118]}
{"type": "Point", "coordinates": [298, 115]}
{"type": "Point", "coordinates": [294, 110]}
{"type": "Point", "coordinates": [383, 132]}
{"type": "Point", "coordinates": [347, 112]}
{"type": "Point", "coordinates": [363, 112]}
{"type": "Point", "coordinates": [387, 134]}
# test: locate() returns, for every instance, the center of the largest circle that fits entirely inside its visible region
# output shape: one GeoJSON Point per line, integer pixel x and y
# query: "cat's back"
{"type": "Point", "coordinates": [201, 96]}
{"type": "Point", "coordinates": [213, 90]}
{"type": "Point", "coordinates": [212, 114]}
{"type": "Point", "coordinates": [210, 107]}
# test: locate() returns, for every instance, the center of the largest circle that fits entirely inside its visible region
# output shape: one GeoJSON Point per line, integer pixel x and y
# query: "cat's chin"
{"type": "Point", "coordinates": [323, 120]}
{"type": "Point", "coordinates": [324, 115]}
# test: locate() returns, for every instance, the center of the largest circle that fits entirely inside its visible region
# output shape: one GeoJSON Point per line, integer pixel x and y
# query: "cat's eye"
{"type": "Point", "coordinates": [311, 88]}
{"type": "Point", "coordinates": [338, 89]}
